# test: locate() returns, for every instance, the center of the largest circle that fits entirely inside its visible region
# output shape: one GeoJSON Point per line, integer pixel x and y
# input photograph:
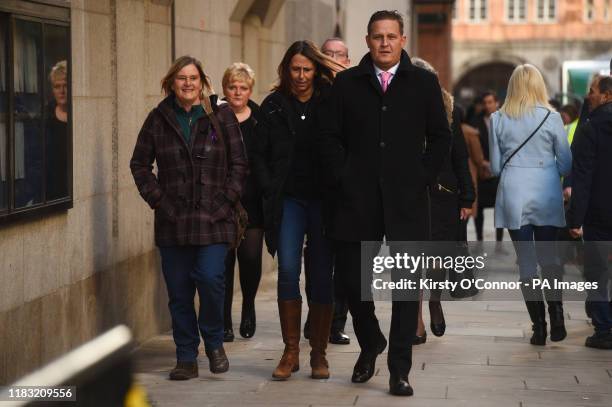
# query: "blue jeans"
{"type": "Point", "coordinates": [533, 245]}
{"type": "Point", "coordinates": [301, 217]}
{"type": "Point", "coordinates": [597, 245]}
{"type": "Point", "coordinates": [185, 269]}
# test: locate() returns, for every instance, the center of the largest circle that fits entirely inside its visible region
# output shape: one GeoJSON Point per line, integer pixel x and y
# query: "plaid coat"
{"type": "Point", "coordinates": [195, 189]}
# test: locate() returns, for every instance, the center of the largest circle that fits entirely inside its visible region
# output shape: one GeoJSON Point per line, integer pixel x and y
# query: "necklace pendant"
{"type": "Point", "coordinates": [303, 117]}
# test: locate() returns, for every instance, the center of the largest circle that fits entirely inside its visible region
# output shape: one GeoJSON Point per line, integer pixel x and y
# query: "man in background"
{"type": "Point", "coordinates": [590, 214]}
{"type": "Point", "coordinates": [487, 184]}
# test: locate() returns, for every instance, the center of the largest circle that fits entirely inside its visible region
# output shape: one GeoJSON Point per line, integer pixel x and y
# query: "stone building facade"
{"type": "Point", "coordinates": [68, 274]}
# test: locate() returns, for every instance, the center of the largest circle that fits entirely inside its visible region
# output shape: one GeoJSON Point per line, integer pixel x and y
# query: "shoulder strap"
{"type": "Point", "coordinates": [211, 116]}
{"type": "Point", "coordinates": [216, 126]}
{"type": "Point", "coordinates": [525, 142]}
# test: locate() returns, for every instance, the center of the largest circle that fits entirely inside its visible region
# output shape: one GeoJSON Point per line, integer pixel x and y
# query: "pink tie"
{"type": "Point", "coordinates": [384, 80]}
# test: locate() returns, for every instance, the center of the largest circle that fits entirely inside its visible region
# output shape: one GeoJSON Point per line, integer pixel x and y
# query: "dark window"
{"type": "Point", "coordinates": [35, 111]}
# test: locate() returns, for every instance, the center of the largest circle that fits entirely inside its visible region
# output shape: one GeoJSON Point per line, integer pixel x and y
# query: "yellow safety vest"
{"type": "Point", "coordinates": [570, 129]}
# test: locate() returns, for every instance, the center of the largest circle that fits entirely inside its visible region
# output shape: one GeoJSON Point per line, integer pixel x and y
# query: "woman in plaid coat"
{"type": "Point", "coordinates": [200, 177]}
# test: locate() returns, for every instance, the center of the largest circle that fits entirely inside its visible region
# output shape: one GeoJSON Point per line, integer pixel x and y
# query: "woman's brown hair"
{"type": "Point", "coordinates": [325, 67]}
{"type": "Point", "coordinates": [177, 65]}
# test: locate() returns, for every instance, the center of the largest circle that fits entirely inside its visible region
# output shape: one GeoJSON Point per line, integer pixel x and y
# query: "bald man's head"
{"type": "Point", "coordinates": [337, 50]}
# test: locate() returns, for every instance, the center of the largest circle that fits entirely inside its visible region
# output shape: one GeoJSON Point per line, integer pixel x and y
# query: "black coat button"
{"type": "Point", "coordinates": [382, 144]}
{"type": "Point", "coordinates": [384, 108]}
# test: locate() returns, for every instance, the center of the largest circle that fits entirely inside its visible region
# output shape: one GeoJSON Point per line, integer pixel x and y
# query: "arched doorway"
{"type": "Point", "coordinates": [254, 19]}
{"type": "Point", "coordinates": [489, 76]}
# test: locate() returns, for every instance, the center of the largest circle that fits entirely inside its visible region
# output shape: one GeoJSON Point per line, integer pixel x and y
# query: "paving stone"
{"type": "Point", "coordinates": [474, 331]}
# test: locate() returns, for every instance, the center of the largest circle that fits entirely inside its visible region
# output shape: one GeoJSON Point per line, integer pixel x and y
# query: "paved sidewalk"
{"type": "Point", "coordinates": [484, 359]}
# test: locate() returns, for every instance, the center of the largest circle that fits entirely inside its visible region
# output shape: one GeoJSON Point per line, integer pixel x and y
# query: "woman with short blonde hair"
{"type": "Point", "coordinates": [238, 81]}
{"type": "Point", "coordinates": [239, 71]}
{"type": "Point", "coordinates": [529, 150]}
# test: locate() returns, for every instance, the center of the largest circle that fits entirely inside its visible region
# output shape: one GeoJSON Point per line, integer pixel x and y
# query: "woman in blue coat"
{"type": "Point", "coordinates": [529, 199]}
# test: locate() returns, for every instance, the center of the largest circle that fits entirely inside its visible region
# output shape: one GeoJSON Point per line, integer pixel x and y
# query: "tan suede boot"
{"type": "Point", "coordinates": [320, 323]}
{"type": "Point", "coordinates": [290, 313]}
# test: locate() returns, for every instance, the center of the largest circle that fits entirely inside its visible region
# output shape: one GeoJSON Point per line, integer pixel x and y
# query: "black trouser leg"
{"type": "Point", "coordinates": [404, 320]}
{"type": "Point", "coordinates": [340, 310]}
{"type": "Point", "coordinates": [479, 222]}
{"type": "Point", "coordinates": [347, 274]}
{"type": "Point", "coordinates": [597, 247]}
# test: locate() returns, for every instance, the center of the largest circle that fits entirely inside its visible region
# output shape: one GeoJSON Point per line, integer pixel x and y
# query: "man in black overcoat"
{"type": "Point", "coordinates": [384, 138]}
{"type": "Point", "coordinates": [590, 214]}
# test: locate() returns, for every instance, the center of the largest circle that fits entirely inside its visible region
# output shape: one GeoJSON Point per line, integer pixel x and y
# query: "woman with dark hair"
{"type": "Point", "coordinates": [201, 171]}
{"type": "Point", "coordinates": [285, 163]}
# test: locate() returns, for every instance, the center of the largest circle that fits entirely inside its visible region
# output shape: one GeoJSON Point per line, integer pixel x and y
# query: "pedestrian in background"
{"type": "Point", "coordinates": [487, 182]}
{"type": "Point", "coordinates": [590, 214]}
{"type": "Point", "coordinates": [570, 249]}
{"type": "Point", "coordinates": [200, 177]}
{"type": "Point", "coordinates": [452, 197]}
{"type": "Point", "coordinates": [238, 81]}
{"type": "Point", "coordinates": [530, 152]}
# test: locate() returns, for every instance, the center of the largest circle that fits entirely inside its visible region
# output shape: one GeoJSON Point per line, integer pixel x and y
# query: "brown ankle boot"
{"type": "Point", "coordinates": [320, 323]}
{"type": "Point", "coordinates": [290, 312]}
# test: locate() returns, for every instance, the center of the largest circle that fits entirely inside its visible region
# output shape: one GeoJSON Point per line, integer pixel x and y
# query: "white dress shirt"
{"type": "Point", "coordinates": [391, 70]}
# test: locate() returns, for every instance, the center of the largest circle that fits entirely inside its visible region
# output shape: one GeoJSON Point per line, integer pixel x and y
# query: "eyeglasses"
{"type": "Point", "coordinates": [192, 79]}
{"type": "Point", "coordinates": [333, 54]}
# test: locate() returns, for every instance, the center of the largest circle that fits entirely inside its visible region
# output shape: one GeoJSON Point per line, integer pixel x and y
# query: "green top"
{"type": "Point", "coordinates": [187, 119]}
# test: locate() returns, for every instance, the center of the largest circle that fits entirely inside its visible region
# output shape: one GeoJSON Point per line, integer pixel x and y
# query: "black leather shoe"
{"type": "Point", "coordinates": [366, 363]}
{"type": "Point", "coordinates": [399, 385]}
{"type": "Point", "coordinates": [419, 340]}
{"type": "Point", "coordinates": [248, 325]}
{"type": "Point", "coordinates": [184, 371]}
{"type": "Point", "coordinates": [228, 335]}
{"type": "Point", "coordinates": [339, 338]}
{"type": "Point", "coordinates": [436, 316]}
{"type": "Point", "coordinates": [599, 341]}
{"type": "Point", "coordinates": [217, 359]}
